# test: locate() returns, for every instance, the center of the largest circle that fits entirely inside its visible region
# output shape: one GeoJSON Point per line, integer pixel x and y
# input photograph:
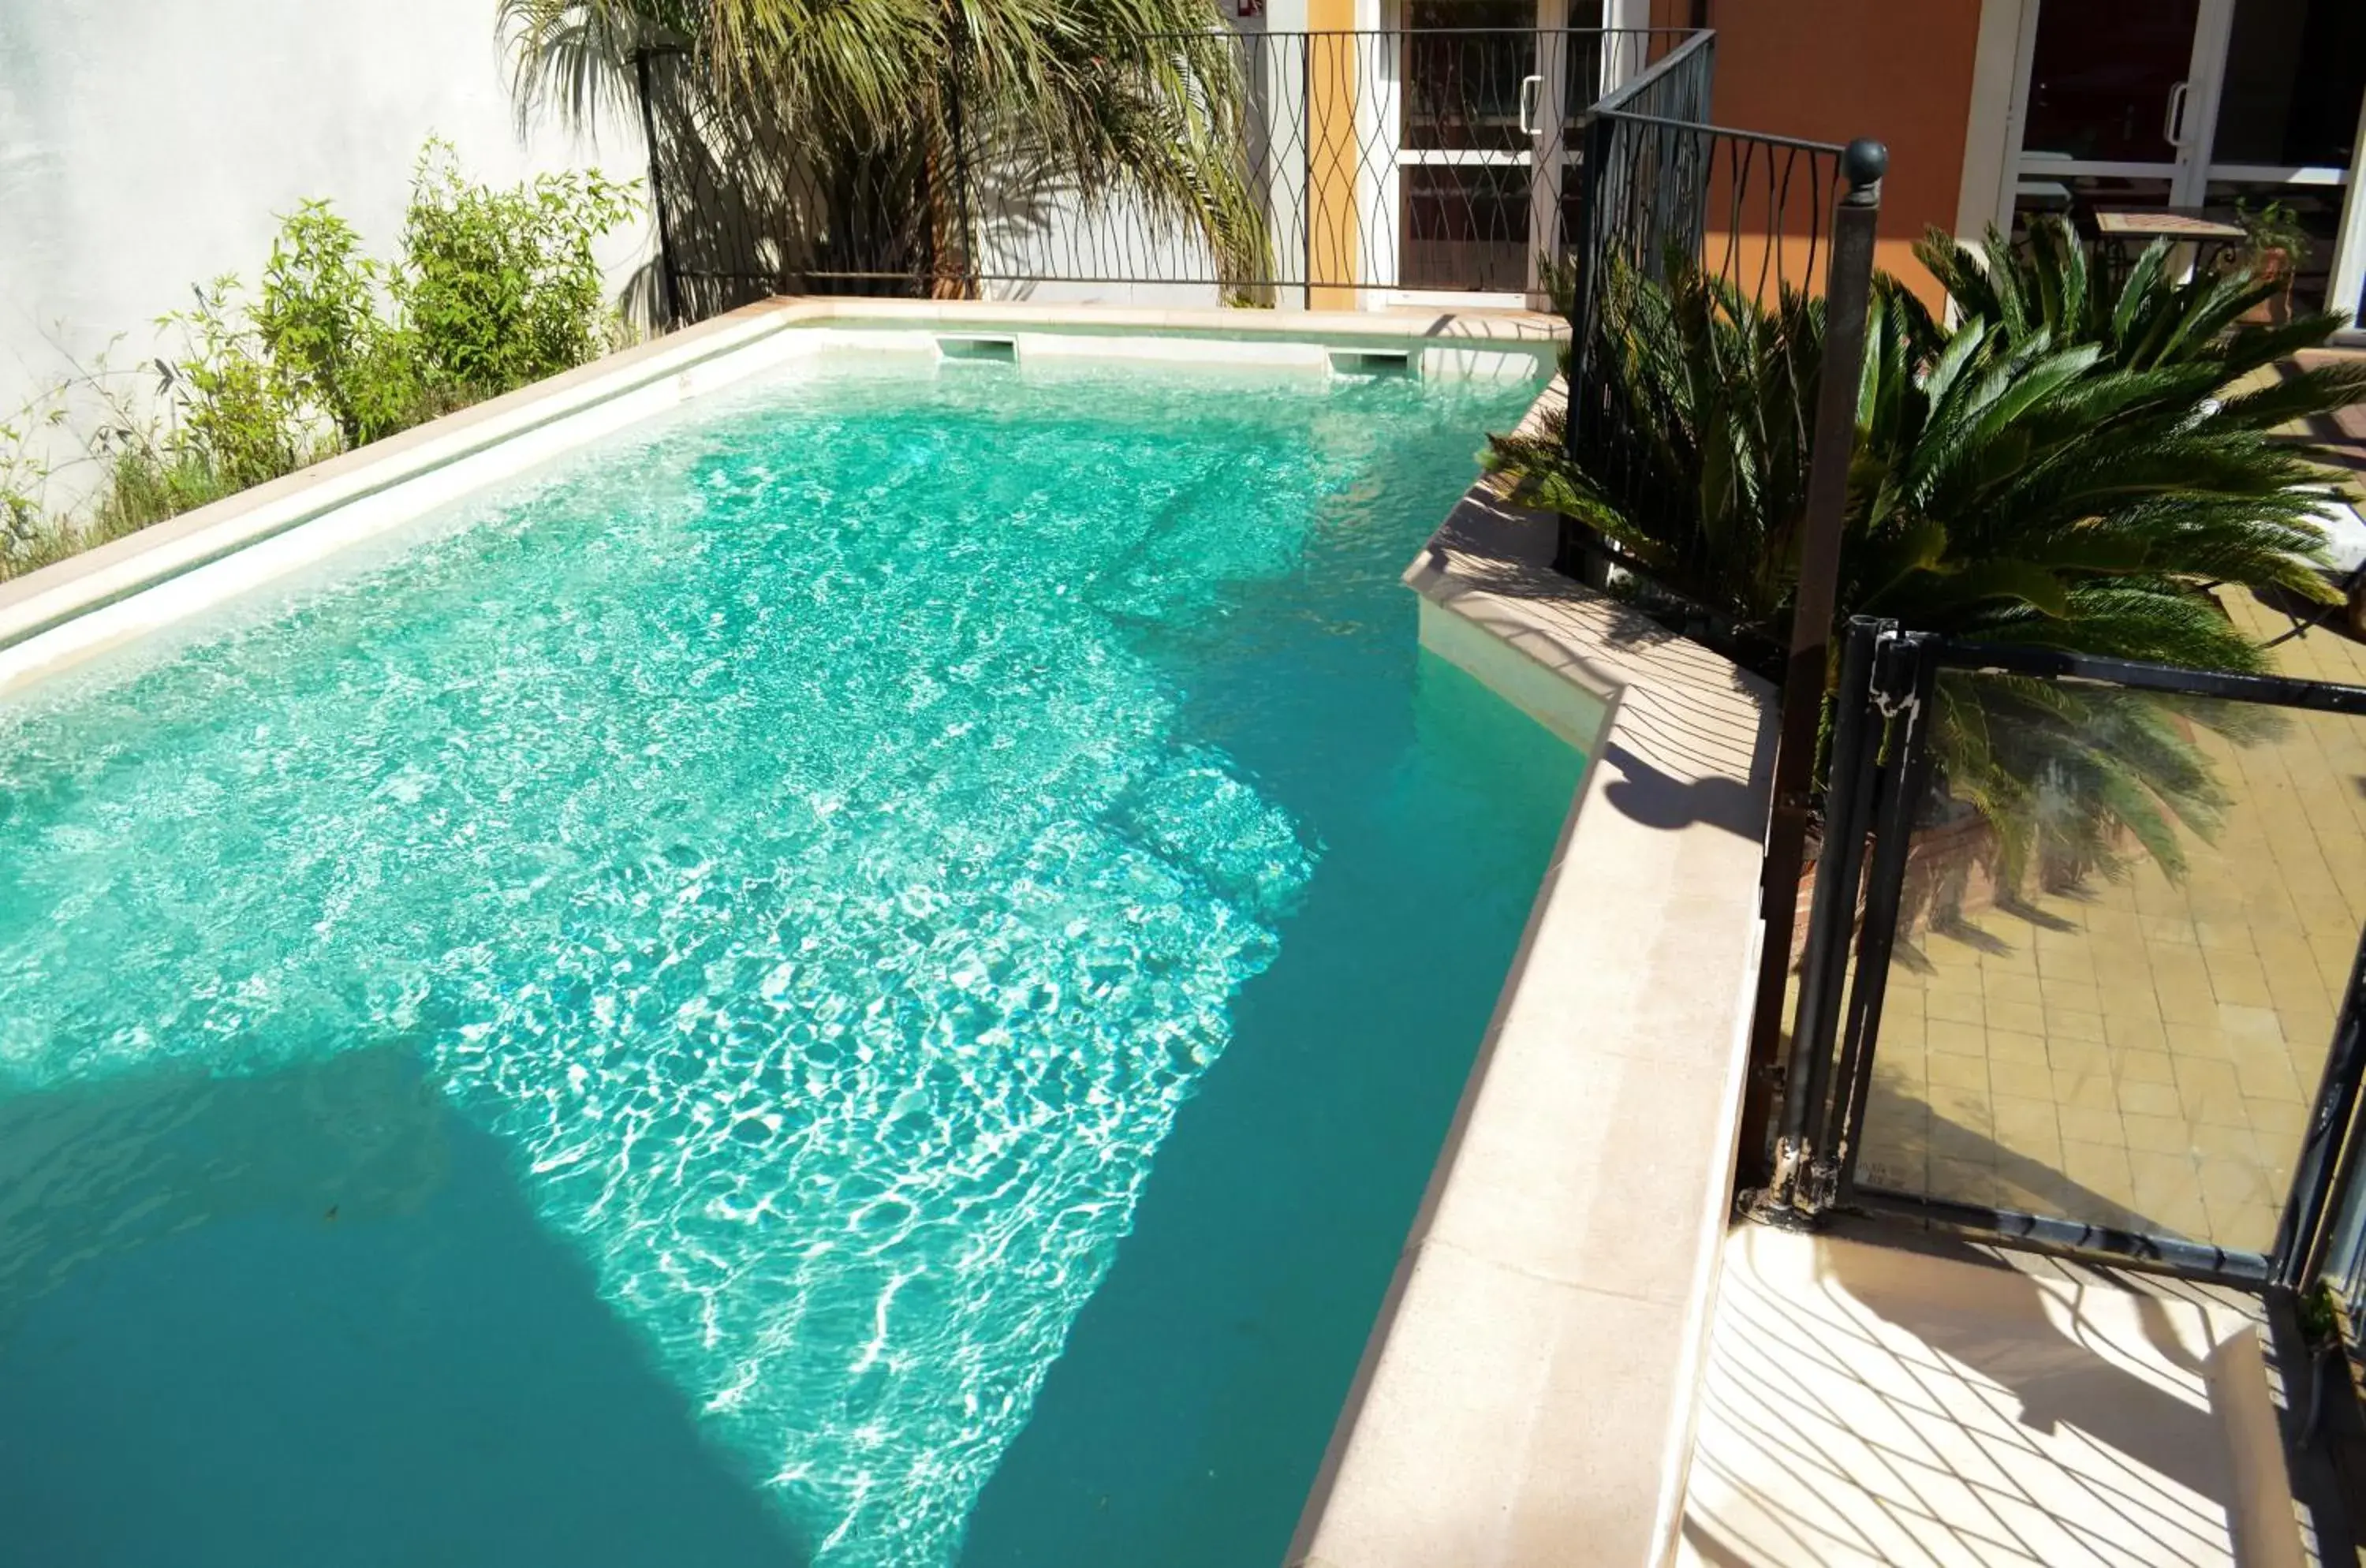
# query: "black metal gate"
{"type": "Point", "coordinates": [1962, 775]}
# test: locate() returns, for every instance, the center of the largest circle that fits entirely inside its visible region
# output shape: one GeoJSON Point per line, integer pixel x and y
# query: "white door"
{"type": "Point", "coordinates": [2114, 91]}
{"type": "Point", "coordinates": [1473, 123]}
{"type": "Point", "coordinates": [2192, 104]}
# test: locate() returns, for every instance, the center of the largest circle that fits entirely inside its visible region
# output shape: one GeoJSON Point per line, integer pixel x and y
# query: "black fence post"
{"type": "Point", "coordinates": [1823, 967]}
{"type": "Point", "coordinates": [1911, 687]}
{"type": "Point", "coordinates": [657, 194]}
{"type": "Point", "coordinates": [1574, 541]}
{"type": "Point", "coordinates": [1848, 293]}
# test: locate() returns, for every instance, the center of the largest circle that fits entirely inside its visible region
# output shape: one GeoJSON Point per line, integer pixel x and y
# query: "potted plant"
{"type": "Point", "coordinates": [2273, 244]}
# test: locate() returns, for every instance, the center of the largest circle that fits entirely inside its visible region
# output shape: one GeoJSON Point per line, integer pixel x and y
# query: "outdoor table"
{"type": "Point", "coordinates": [2187, 232]}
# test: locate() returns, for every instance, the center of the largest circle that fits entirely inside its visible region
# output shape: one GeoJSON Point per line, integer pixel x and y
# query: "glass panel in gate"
{"type": "Point", "coordinates": [2129, 919]}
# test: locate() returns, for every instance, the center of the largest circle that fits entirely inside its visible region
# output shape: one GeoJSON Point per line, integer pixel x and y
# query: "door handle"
{"type": "Point", "coordinates": [1531, 89]}
{"type": "Point", "coordinates": [2172, 123]}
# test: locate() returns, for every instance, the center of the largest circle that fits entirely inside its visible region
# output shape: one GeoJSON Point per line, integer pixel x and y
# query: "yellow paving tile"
{"type": "Point", "coordinates": [1962, 1181]}
{"type": "Point", "coordinates": [2143, 1066]}
{"type": "Point", "coordinates": [2127, 1034]}
{"type": "Point", "coordinates": [2070, 995]}
{"type": "Point", "coordinates": [2209, 1092]}
{"type": "Point", "coordinates": [2134, 1050]}
{"type": "Point", "coordinates": [1954, 1007]}
{"type": "Point", "coordinates": [2087, 1091]}
{"type": "Point", "coordinates": [2078, 1125]}
{"type": "Point", "coordinates": [2063, 1024]}
{"type": "Point", "coordinates": [2021, 1018]}
{"type": "Point", "coordinates": [2078, 1056]}
{"type": "Point", "coordinates": [2004, 985]}
{"type": "Point", "coordinates": [1959, 1039]}
{"type": "Point", "coordinates": [2283, 1118]}
{"type": "Point", "coordinates": [2103, 1169]}
{"type": "Point", "coordinates": [2007, 1045]}
{"type": "Point", "coordinates": [1901, 1030]}
{"type": "Point", "coordinates": [2160, 1134]}
{"type": "Point", "coordinates": [2237, 1140]}
{"type": "Point", "coordinates": [2031, 1081]}
{"type": "Point", "coordinates": [2148, 1099]}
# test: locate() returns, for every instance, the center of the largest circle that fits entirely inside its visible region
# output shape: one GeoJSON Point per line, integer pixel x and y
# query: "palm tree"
{"type": "Point", "coordinates": [2066, 467]}
{"type": "Point", "coordinates": [881, 118]}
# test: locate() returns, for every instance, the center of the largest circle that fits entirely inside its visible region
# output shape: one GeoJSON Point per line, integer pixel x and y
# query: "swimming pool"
{"type": "Point", "coordinates": [866, 972]}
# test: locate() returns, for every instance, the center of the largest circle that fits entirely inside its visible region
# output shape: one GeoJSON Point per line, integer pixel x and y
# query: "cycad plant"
{"type": "Point", "coordinates": [887, 116]}
{"type": "Point", "coordinates": [1695, 462]}
{"type": "Point", "coordinates": [2066, 467]}
{"type": "Point", "coordinates": [2150, 319]}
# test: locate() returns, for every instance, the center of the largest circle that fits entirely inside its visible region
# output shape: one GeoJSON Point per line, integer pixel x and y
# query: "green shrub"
{"type": "Point", "coordinates": [498, 288]}
{"type": "Point", "coordinates": [321, 321]}
{"type": "Point", "coordinates": [2070, 464]}
{"type": "Point", "coordinates": [234, 412]}
{"type": "Point", "coordinates": [494, 289]}
{"type": "Point", "coordinates": [25, 470]}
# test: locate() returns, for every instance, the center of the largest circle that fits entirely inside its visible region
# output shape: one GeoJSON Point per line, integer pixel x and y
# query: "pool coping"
{"type": "Point", "coordinates": [1527, 1395]}
{"type": "Point", "coordinates": [75, 608]}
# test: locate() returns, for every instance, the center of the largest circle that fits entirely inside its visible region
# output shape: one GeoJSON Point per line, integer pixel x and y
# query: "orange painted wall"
{"type": "Point", "coordinates": [1332, 221]}
{"type": "Point", "coordinates": [1830, 70]}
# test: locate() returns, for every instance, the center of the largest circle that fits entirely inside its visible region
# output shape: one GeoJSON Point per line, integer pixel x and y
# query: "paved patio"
{"type": "Point", "coordinates": [2140, 1053]}
{"type": "Point", "coordinates": [1876, 1408]}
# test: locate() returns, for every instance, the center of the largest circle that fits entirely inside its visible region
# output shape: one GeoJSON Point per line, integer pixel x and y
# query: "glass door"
{"type": "Point", "coordinates": [1477, 146]}
{"type": "Point", "coordinates": [2198, 105]}
{"type": "Point", "coordinates": [2114, 91]}
{"type": "Point", "coordinates": [2287, 128]}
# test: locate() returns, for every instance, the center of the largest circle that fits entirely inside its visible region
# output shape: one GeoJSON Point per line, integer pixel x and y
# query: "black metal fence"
{"type": "Point", "coordinates": [2080, 968]}
{"type": "Point", "coordinates": [1746, 216]}
{"type": "Point", "coordinates": [1414, 160]}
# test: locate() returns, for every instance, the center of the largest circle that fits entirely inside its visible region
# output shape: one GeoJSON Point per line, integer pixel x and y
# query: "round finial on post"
{"type": "Point", "coordinates": [1862, 163]}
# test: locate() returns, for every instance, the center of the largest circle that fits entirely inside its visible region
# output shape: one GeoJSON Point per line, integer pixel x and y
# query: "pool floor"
{"type": "Point", "coordinates": [869, 974]}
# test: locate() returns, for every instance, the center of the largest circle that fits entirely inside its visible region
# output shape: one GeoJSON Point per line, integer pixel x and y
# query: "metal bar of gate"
{"type": "Point", "coordinates": [1823, 967]}
{"type": "Point", "coordinates": [2298, 1233]}
{"type": "Point", "coordinates": [1908, 686]}
{"type": "Point", "coordinates": [1847, 294]}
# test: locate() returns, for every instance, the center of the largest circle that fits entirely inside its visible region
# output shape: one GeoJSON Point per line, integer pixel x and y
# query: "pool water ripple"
{"type": "Point", "coordinates": [773, 828]}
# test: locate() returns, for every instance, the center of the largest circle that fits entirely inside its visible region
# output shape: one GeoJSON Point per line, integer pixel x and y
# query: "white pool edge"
{"type": "Point", "coordinates": [76, 609]}
{"type": "Point", "coordinates": [1527, 1395]}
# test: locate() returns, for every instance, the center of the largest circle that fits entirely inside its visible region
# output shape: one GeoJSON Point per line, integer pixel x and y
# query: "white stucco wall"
{"type": "Point", "coordinates": [148, 144]}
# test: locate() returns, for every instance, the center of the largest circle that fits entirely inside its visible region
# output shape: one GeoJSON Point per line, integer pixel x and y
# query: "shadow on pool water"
{"type": "Point", "coordinates": [1183, 1423]}
{"type": "Point", "coordinates": [370, 1350]}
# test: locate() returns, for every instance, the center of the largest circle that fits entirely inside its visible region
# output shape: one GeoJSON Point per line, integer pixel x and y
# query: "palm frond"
{"type": "Point", "coordinates": [1099, 100]}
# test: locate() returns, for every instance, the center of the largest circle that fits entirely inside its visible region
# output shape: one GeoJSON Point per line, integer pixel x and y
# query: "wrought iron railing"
{"type": "Point", "coordinates": [1667, 188]}
{"type": "Point", "coordinates": [1377, 162]}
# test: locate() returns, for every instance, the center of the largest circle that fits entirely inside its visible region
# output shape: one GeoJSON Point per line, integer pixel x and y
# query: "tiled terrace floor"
{"type": "Point", "coordinates": [1875, 1407]}
{"type": "Point", "coordinates": [2143, 1052]}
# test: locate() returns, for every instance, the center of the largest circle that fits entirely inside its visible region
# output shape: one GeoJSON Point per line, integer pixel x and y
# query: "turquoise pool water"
{"type": "Point", "coordinates": [867, 975]}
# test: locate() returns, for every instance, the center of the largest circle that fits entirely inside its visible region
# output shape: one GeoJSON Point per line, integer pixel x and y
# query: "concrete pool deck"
{"type": "Point", "coordinates": [1530, 1386]}
{"type": "Point", "coordinates": [1874, 1405]}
